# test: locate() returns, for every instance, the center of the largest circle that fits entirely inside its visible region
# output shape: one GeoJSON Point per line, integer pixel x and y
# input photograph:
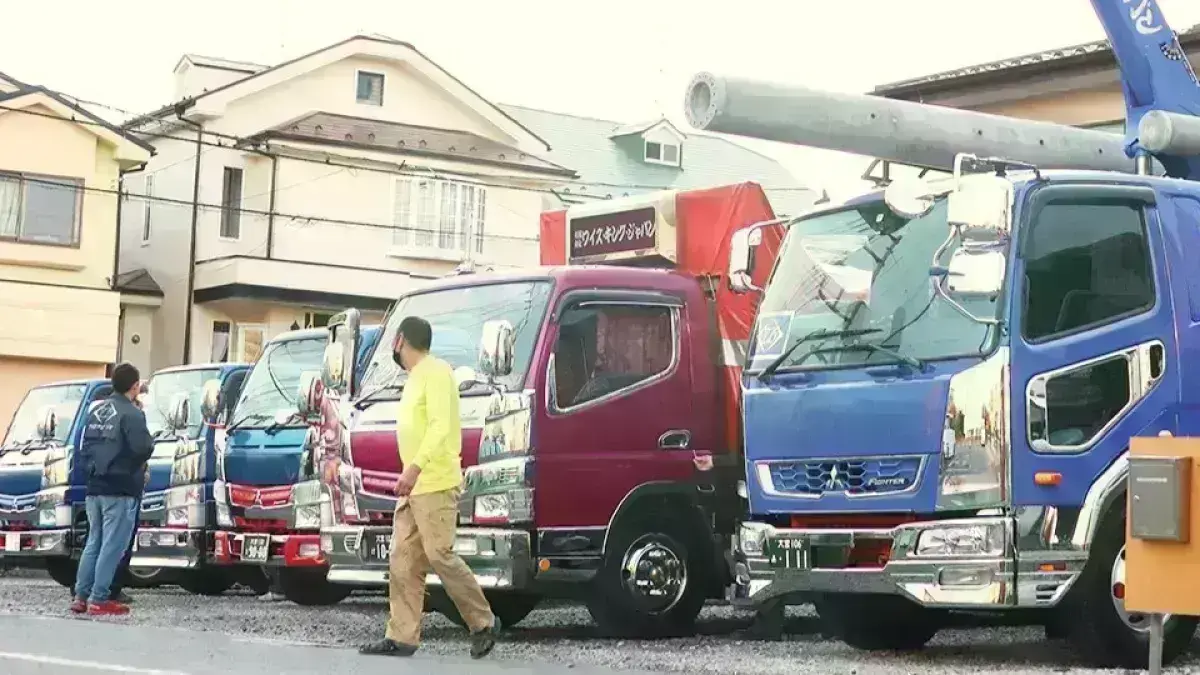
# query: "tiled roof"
{"type": "Point", "coordinates": [608, 169]}
{"type": "Point", "coordinates": [1017, 63]}
{"type": "Point", "coordinates": [137, 282]}
{"type": "Point", "coordinates": [89, 117]}
{"type": "Point", "coordinates": [331, 128]}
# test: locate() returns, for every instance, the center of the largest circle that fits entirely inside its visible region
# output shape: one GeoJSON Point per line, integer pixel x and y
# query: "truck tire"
{"type": "Point", "coordinates": [62, 571]}
{"type": "Point", "coordinates": [652, 580]}
{"type": "Point", "coordinates": [877, 622]}
{"type": "Point", "coordinates": [510, 607]}
{"type": "Point", "coordinates": [147, 577]}
{"type": "Point", "coordinates": [308, 586]}
{"type": "Point", "coordinates": [1103, 633]}
{"type": "Point", "coordinates": [206, 581]}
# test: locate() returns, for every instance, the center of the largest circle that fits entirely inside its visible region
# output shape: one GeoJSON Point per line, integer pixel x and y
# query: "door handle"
{"type": "Point", "coordinates": [675, 439]}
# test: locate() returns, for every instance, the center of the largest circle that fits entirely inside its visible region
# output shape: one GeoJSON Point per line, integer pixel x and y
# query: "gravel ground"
{"type": "Point", "coordinates": [563, 634]}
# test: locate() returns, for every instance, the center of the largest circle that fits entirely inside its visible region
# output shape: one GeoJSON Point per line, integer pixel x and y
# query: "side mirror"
{"type": "Point", "coordinates": [741, 258]}
{"type": "Point", "coordinates": [344, 335]}
{"type": "Point", "coordinates": [496, 348]}
{"type": "Point", "coordinates": [180, 411]}
{"type": "Point", "coordinates": [333, 365]}
{"type": "Point", "coordinates": [466, 377]}
{"type": "Point", "coordinates": [980, 208]}
{"type": "Point", "coordinates": [47, 423]}
{"type": "Point", "coordinates": [308, 401]}
{"type": "Point", "coordinates": [210, 400]}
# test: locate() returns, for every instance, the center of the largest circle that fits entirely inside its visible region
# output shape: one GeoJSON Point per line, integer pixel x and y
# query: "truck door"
{"type": "Point", "coordinates": [1093, 340]}
{"type": "Point", "coordinates": [618, 404]}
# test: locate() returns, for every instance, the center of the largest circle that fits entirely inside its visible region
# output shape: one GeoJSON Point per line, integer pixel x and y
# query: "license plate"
{"type": "Point", "coordinates": [256, 547]}
{"type": "Point", "coordinates": [12, 542]}
{"type": "Point", "coordinates": [792, 554]}
{"type": "Point", "coordinates": [378, 546]}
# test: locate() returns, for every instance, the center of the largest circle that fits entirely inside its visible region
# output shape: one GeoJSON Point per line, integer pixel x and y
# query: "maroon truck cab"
{"type": "Point", "coordinates": [595, 399]}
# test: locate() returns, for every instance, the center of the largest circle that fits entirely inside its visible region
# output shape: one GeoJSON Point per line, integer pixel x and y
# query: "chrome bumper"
{"type": "Point", "coordinates": [156, 547]}
{"type": "Point", "coordinates": [500, 559]}
{"type": "Point", "coordinates": [294, 549]}
{"type": "Point", "coordinates": [935, 564]}
{"type": "Point", "coordinates": [35, 543]}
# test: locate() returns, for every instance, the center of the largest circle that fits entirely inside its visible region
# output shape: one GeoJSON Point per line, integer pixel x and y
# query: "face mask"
{"type": "Point", "coordinates": [396, 355]}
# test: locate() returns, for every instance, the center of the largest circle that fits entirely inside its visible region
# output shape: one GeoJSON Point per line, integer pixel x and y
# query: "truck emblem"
{"type": "Point", "coordinates": [769, 336]}
{"type": "Point", "coordinates": [835, 481]}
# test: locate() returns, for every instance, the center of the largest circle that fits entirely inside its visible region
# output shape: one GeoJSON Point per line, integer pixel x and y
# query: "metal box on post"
{"type": "Point", "coordinates": [1159, 496]}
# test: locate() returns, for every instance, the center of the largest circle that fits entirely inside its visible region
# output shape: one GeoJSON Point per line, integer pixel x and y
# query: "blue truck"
{"type": "Point", "coordinates": [42, 516]}
{"type": "Point", "coordinates": [252, 502]}
{"type": "Point", "coordinates": [945, 375]}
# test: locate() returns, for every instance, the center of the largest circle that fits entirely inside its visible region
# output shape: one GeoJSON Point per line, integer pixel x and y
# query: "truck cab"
{"type": "Point", "coordinates": [965, 433]}
{"type": "Point", "coordinates": [42, 491]}
{"type": "Point", "coordinates": [176, 522]}
{"type": "Point", "coordinates": [595, 413]}
{"type": "Point", "coordinates": [266, 493]}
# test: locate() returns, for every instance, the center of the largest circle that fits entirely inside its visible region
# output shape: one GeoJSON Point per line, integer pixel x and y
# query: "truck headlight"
{"type": "Point", "coordinates": [507, 508]}
{"type": "Point", "coordinates": [53, 510]}
{"type": "Point", "coordinates": [752, 537]}
{"type": "Point", "coordinates": [56, 468]}
{"type": "Point", "coordinates": [982, 539]}
{"type": "Point", "coordinates": [184, 506]}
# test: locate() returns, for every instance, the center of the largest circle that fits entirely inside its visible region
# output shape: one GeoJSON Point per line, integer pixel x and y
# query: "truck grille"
{"type": "Point", "coordinates": [856, 477]}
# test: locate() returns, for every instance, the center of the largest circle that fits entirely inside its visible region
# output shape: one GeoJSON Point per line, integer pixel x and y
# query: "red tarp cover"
{"type": "Point", "coordinates": [706, 221]}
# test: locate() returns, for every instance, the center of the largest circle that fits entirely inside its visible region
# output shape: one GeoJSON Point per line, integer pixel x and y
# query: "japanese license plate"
{"type": "Point", "coordinates": [256, 547]}
{"type": "Point", "coordinates": [376, 547]}
{"type": "Point", "coordinates": [792, 554]}
{"type": "Point", "coordinates": [12, 542]}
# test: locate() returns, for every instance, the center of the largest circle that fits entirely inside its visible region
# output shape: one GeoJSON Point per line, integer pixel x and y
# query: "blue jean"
{"type": "Point", "coordinates": [110, 527]}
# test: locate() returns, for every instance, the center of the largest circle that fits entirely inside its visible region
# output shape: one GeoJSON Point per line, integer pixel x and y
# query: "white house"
{"type": "Point", "coordinates": [279, 195]}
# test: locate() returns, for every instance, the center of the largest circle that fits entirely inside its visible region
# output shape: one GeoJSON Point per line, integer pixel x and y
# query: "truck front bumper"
{"type": "Point", "coordinates": [970, 563]}
{"type": "Point", "coordinates": [293, 549]}
{"type": "Point", "coordinates": [36, 543]}
{"type": "Point", "coordinates": [500, 559]}
{"type": "Point", "coordinates": [162, 547]}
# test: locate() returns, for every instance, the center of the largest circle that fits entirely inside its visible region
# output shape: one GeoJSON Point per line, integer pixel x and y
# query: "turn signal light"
{"type": "Point", "coordinates": [1047, 478]}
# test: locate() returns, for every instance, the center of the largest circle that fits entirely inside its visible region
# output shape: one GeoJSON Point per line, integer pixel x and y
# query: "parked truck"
{"type": "Point", "coordinates": [599, 414]}
{"type": "Point", "coordinates": [957, 437]}
{"type": "Point", "coordinates": [262, 501]}
{"type": "Point", "coordinates": [42, 517]}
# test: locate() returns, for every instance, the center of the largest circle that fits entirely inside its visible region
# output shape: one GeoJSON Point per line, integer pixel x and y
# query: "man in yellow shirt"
{"type": "Point", "coordinates": [429, 434]}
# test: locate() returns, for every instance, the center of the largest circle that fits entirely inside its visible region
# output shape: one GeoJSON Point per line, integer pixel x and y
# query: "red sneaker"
{"type": "Point", "coordinates": [78, 606]}
{"type": "Point", "coordinates": [107, 608]}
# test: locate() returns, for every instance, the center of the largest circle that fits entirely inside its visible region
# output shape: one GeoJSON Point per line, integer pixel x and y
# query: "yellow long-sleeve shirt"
{"type": "Point", "coordinates": [428, 428]}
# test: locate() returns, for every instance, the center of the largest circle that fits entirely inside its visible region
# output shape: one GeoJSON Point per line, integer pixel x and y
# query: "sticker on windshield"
{"type": "Point", "coordinates": [771, 335]}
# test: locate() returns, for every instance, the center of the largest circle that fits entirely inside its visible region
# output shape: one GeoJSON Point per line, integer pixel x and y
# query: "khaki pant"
{"type": "Point", "coordinates": [423, 537]}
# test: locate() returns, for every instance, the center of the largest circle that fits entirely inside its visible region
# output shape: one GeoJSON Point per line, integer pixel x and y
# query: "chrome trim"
{"type": "Point", "coordinates": [1137, 360]}
{"type": "Point", "coordinates": [552, 408]}
{"type": "Point", "coordinates": [1103, 493]}
{"type": "Point", "coordinates": [983, 387]}
{"type": "Point", "coordinates": [161, 561]}
{"type": "Point", "coordinates": [768, 483]}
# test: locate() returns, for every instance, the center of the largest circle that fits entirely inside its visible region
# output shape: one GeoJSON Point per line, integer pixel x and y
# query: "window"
{"type": "Point", "coordinates": [40, 209]}
{"type": "Point", "coordinates": [1071, 408]}
{"type": "Point", "coordinates": [370, 88]}
{"type": "Point", "coordinates": [316, 319]}
{"type": "Point", "coordinates": [439, 214]}
{"type": "Point", "coordinates": [231, 204]}
{"type": "Point", "coordinates": [662, 153]}
{"type": "Point", "coordinates": [605, 349]}
{"type": "Point", "coordinates": [248, 343]}
{"type": "Point", "coordinates": [146, 201]}
{"type": "Point", "coordinates": [1085, 265]}
{"type": "Point", "coordinates": [220, 342]}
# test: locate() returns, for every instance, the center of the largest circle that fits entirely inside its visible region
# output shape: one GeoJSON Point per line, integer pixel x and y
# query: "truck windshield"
{"type": "Point", "coordinates": [274, 382]}
{"type": "Point", "coordinates": [853, 287]}
{"type": "Point", "coordinates": [65, 399]}
{"type": "Point", "coordinates": [164, 387]}
{"type": "Point", "coordinates": [457, 316]}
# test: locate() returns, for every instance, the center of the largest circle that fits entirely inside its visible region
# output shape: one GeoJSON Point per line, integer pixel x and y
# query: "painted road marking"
{"type": "Point", "coordinates": [93, 665]}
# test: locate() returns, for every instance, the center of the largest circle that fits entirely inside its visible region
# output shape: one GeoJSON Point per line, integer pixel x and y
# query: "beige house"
{"type": "Point", "coordinates": [1077, 85]}
{"type": "Point", "coordinates": [59, 171]}
{"type": "Point", "coordinates": [345, 177]}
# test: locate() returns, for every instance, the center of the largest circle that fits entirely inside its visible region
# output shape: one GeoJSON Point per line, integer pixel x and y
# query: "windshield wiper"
{"type": "Point", "coordinates": [276, 426]}
{"type": "Point", "coordinates": [377, 394]}
{"type": "Point", "coordinates": [245, 419]}
{"type": "Point", "coordinates": [764, 376]}
{"type": "Point", "coordinates": [913, 361]}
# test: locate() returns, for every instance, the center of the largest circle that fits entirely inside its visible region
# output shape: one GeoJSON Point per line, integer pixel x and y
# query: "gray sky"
{"type": "Point", "coordinates": [626, 60]}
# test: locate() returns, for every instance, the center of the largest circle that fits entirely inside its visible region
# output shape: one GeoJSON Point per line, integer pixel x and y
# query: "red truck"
{"type": "Point", "coordinates": [600, 413]}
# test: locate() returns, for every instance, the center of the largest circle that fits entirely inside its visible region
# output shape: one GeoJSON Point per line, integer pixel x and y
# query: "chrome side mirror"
{"type": "Point", "coordinates": [47, 423]}
{"type": "Point", "coordinates": [980, 208]}
{"type": "Point", "coordinates": [312, 389]}
{"type": "Point", "coordinates": [333, 366]}
{"type": "Point", "coordinates": [741, 258]}
{"type": "Point", "coordinates": [496, 348]}
{"type": "Point", "coordinates": [180, 411]}
{"type": "Point", "coordinates": [466, 377]}
{"type": "Point", "coordinates": [210, 401]}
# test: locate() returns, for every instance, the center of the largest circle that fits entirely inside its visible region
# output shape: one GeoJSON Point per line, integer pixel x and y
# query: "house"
{"type": "Point", "coordinates": [59, 171]}
{"type": "Point", "coordinates": [1078, 85]}
{"type": "Point", "coordinates": [616, 160]}
{"type": "Point", "coordinates": [345, 177]}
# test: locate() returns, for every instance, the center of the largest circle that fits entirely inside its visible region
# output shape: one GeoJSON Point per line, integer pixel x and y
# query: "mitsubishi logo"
{"type": "Point", "coordinates": [835, 481]}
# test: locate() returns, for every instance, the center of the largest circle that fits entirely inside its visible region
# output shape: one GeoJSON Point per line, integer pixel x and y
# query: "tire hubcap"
{"type": "Point", "coordinates": [654, 575]}
{"type": "Point", "coordinates": [144, 572]}
{"type": "Point", "coordinates": [1136, 621]}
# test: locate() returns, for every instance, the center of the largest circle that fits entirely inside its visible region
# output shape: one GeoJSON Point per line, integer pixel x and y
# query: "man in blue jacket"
{"type": "Point", "coordinates": [116, 446]}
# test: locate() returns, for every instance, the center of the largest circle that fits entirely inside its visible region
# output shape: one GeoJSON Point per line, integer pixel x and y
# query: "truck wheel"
{"type": "Point", "coordinates": [1104, 633]}
{"type": "Point", "coordinates": [652, 581]}
{"type": "Point", "coordinates": [147, 577]}
{"type": "Point", "coordinates": [510, 607]}
{"type": "Point", "coordinates": [62, 571]}
{"type": "Point", "coordinates": [208, 581]}
{"type": "Point", "coordinates": [877, 622]}
{"type": "Point", "coordinates": [308, 586]}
